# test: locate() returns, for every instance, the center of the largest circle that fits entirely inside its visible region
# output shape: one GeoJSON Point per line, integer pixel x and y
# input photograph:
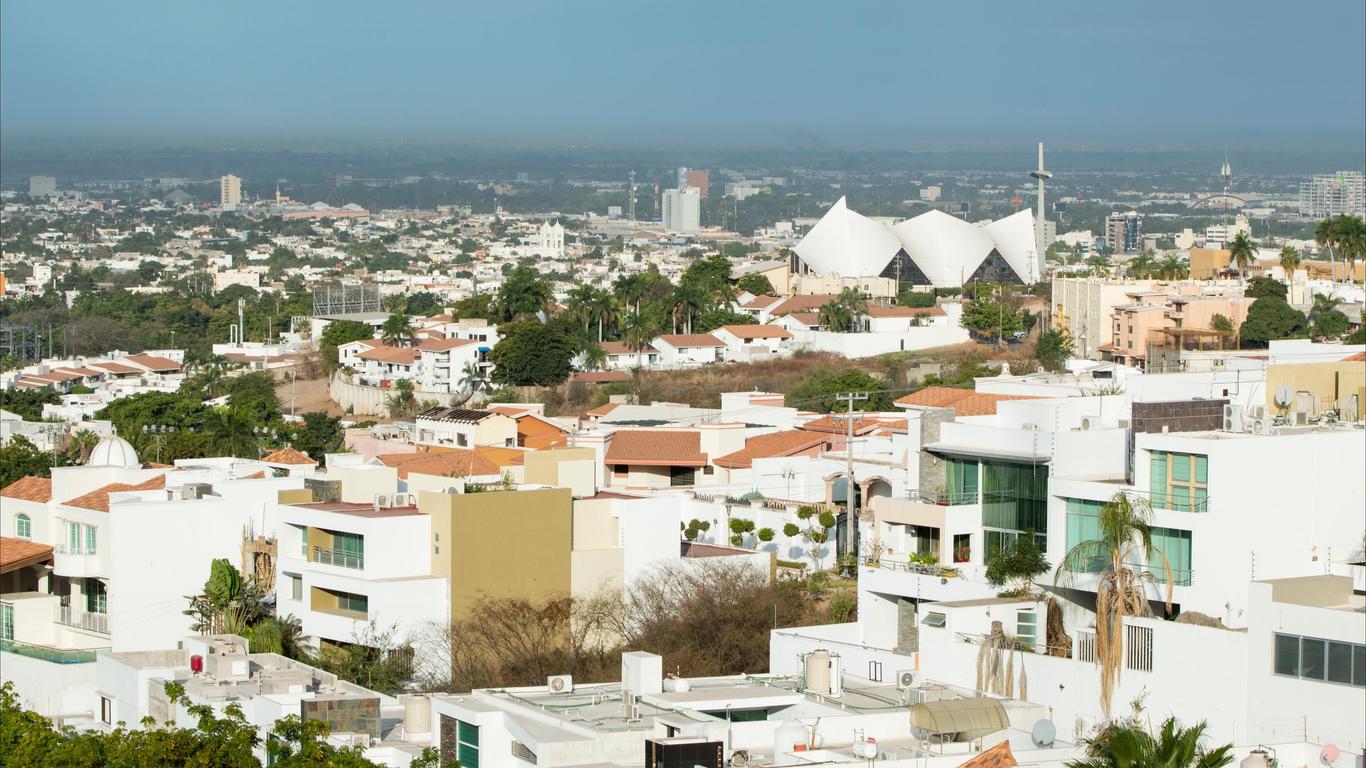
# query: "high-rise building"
{"type": "Point", "coordinates": [42, 186]}
{"type": "Point", "coordinates": [1333, 194]}
{"type": "Point", "coordinates": [699, 179]}
{"type": "Point", "coordinates": [229, 192]}
{"type": "Point", "coordinates": [682, 210]}
{"type": "Point", "coordinates": [1124, 232]}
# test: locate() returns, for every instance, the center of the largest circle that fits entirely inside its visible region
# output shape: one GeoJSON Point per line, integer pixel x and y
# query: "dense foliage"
{"type": "Point", "coordinates": [1270, 318]}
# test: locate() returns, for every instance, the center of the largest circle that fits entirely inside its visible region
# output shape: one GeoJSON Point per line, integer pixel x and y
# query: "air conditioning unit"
{"type": "Point", "coordinates": [1233, 418]}
{"type": "Point", "coordinates": [739, 758]}
{"type": "Point", "coordinates": [1262, 426]}
{"type": "Point", "coordinates": [560, 684]}
{"type": "Point", "coordinates": [905, 680]}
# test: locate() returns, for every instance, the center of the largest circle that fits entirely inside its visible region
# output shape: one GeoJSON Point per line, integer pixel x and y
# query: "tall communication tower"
{"type": "Point", "coordinates": [1039, 219]}
{"type": "Point", "coordinates": [1226, 173]}
{"type": "Point", "coordinates": [632, 203]}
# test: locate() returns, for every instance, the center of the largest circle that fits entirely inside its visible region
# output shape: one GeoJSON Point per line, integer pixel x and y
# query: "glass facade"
{"type": "Point", "coordinates": [1014, 500]}
{"type": "Point", "coordinates": [961, 476]}
{"type": "Point", "coordinates": [1311, 658]}
{"type": "Point", "coordinates": [1179, 481]}
{"type": "Point", "coordinates": [96, 599]}
{"type": "Point", "coordinates": [1083, 524]}
{"type": "Point", "coordinates": [1176, 545]}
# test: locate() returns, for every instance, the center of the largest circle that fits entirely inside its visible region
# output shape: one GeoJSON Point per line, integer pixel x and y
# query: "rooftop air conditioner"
{"type": "Point", "coordinates": [1233, 418]}
{"type": "Point", "coordinates": [905, 680]}
{"type": "Point", "coordinates": [560, 684]}
{"type": "Point", "coordinates": [1262, 426]}
{"type": "Point", "coordinates": [739, 758]}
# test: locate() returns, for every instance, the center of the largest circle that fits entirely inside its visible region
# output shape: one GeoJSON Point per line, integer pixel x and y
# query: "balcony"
{"type": "Point", "coordinates": [339, 558]}
{"type": "Point", "coordinates": [75, 563]}
{"type": "Point", "coordinates": [43, 653]}
{"type": "Point", "coordinates": [1181, 577]}
{"type": "Point", "coordinates": [943, 498]}
{"type": "Point", "coordinates": [71, 617]}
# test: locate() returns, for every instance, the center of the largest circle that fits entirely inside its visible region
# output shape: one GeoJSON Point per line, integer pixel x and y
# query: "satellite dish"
{"type": "Point", "coordinates": [1330, 753]}
{"type": "Point", "coordinates": [1043, 733]}
{"type": "Point", "coordinates": [1284, 397]}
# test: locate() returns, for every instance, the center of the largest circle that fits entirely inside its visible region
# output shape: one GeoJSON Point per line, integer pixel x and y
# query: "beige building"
{"type": "Point", "coordinates": [1207, 263]}
{"type": "Point", "coordinates": [229, 192]}
{"type": "Point", "coordinates": [1083, 308]}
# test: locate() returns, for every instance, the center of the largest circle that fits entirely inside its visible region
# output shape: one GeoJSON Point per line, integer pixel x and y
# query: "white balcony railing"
{"type": "Point", "coordinates": [69, 616]}
{"type": "Point", "coordinates": [339, 558]}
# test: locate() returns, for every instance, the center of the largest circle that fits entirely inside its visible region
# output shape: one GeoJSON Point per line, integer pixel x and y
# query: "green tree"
{"type": "Point", "coordinates": [318, 435]}
{"type": "Point", "coordinates": [1327, 321]}
{"type": "Point", "coordinates": [988, 315]}
{"type": "Point", "coordinates": [28, 403]}
{"type": "Point", "coordinates": [1053, 349]}
{"type": "Point", "coordinates": [397, 329]}
{"type": "Point", "coordinates": [918, 299]}
{"type": "Point", "coordinates": [522, 295]}
{"type": "Point", "coordinates": [1221, 323]}
{"type": "Point", "coordinates": [1128, 744]}
{"type": "Point", "coordinates": [532, 354]}
{"type": "Point", "coordinates": [756, 284]}
{"type": "Point", "coordinates": [1242, 252]}
{"type": "Point", "coordinates": [253, 396]}
{"type": "Point", "coordinates": [21, 458]}
{"type": "Point", "coordinates": [1270, 318]}
{"type": "Point", "coordinates": [1126, 538]}
{"type": "Point", "coordinates": [1018, 565]}
{"type": "Point", "coordinates": [1290, 260]}
{"type": "Point", "coordinates": [818, 390]}
{"type": "Point", "coordinates": [1261, 286]}
{"type": "Point", "coordinates": [231, 432]}
{"type": "Point", "coordinates": [337, 333]}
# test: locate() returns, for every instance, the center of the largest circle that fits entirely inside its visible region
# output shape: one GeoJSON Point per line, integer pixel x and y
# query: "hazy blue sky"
{"type": "Point", "coordinates": [837, 74]}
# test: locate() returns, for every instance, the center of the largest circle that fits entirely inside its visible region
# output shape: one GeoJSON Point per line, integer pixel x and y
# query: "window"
{"type": "Point", "coordinates": [1179, 481]}
{"type": "Point", "coordinates": [296, 588]}
{"type": "Point", "coordinates": [962, 547]}
{"type": "Point", "coordinates": [682, 476]}
{"type": "Point", "coordinates": [6, 621]}
{"type": "Point", "coordinates": [96, 598]}
{"type": "Point", "coordinates": [961, 480]}
{"type": "Point", "coordinates": [467, 744]}
{"type": "Point", "coordinates": [461, 440]}
{"type": "Point", "coordinates": [933, 619]}
{"type": "Point", "coordinates": [1176, 546]}
{"type": "Point", "coordinates": [73, 538]}
{"type": "Point", "coordinates": [1311, 658]}
{"type": "Point", "coordinates": [1026, 628]}
{"type": "Point", "coordinates": [23, 526]}
{"type": "Point", "coordinates": [1014, 500]}
{"type": "Point", "coordinates": [1083, 524]}
{"type": "Point", "coordinates": [347, 601]}
{"type": "Point", "coordinates": [89, 539]}
{"type": "Point", "coordinates": [106, 711]}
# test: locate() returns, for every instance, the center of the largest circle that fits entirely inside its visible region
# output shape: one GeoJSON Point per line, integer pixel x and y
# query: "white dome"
{"type": "Point", "coordinates": [114, 451]}
{"type": "Point", "coordinates": [847, 244]}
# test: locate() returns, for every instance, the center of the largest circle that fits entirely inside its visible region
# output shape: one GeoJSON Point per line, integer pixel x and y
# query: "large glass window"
{"type": "Point", "coordinates": [467, 744]}
{"type": "Point", "coordinates": [6, 621]}
{"type": "Point", "coordinates": [961, 479]}
{"type": "Point", "coordinates": [1176, 545]}
{"type": "Point", "coordinates": [1083, 524]}
{"type": "Point", "coordinates": [347, 601]}
{"type": "Point", "coordinates": [90, 539]}
{"type": "Point", "coordinates": [96, 599]}
{"type": "Point", "coordinates": [23, 526]}
{"type": "Point", "coordinates": [1014, 500]}
{"type": "Point", "coordinates": [1312, 658]}
{"type": "Point", "coordinates": [1179, 481]}
{"type": "Point", "coordinates": [349, 543]}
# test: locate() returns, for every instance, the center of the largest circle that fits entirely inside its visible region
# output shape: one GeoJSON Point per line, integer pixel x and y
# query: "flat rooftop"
{"type": "Point", "coordinates": [358, 509]}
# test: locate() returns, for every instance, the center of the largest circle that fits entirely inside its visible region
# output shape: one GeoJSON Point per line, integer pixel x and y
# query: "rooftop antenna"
{"type": "Point", "coordinates": [633, 195]}
{"type": "Point", "coordinates": [1039, 219]}
{"type": "Point", "coordinates": [1226, 173]}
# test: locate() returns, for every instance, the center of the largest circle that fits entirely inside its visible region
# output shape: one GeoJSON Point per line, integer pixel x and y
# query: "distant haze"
{"type": "Point", "coordinates": [837, 75]}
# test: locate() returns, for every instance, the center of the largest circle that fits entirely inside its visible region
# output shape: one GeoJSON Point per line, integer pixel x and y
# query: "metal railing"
{"type": "Point", "coordinates": [943, 498]}
{"type": "Point", "coordinates": [1181, 577]}
{"type": "Point", "coordinates": [91, 622]}
{"type": "Point", "coordinates": [63, 549]}
{"type": "Point", "coordinates": [889, 564]}
{"type": "Point", "coordinates": [54, 655]}
{"type": "Point", "coordinates": [339, 558]}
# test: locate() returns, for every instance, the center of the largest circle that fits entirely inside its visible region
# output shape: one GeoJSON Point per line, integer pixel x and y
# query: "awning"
{"type": "Point", "coordinates": [973, 717]}
{"type": "Point", "coordinates": [984, 452]}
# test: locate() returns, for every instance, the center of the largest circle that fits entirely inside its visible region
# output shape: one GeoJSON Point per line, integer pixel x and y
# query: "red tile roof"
{"type": "Point", "coordinates": [153, 363]}
{"type": "Point", "coordinates": [761, 302]}
{"type": "Point", "coordinates": [787, 443]}
{"type": "Point", "coordinates": [757, 331]}
{"type": "Point", "coordinates": [998, 756]}
{"type": "Point", "coordinates": [622, 348]}
{"type": "Point", "coordinates": [392, 355]}
{"type": "Point", "coordinates": [964, 402]}
{"type": "Point", "coordinates": [29, 488]}
{"type": "Point", "coordinates": [1357, 358]}
{"type": "Point", "coordinates": [288, 455]}
{"type": "Point", "coordinates": [98, 499]}
{"type": "Point", "coordinates": [113, 367]}
{"type": "Point", "coordinates": [656, 448]}
{"type": "Point", "coordinates": [804, 303]}
{"type": "Point", "coordinates": [443, 345]}
{"type": "Point", "coordinates": [601, 410]}
{"type": "Point", "coordinates": [18, 553]}
{"type": "Point", "coordinates": [458, 462]}
{"type": "Point", "coordinates": [839, 424]}
{"type": "Point", "coordinates": [684, 340]}
{"type": "Point", "coordinates": [876, 310]}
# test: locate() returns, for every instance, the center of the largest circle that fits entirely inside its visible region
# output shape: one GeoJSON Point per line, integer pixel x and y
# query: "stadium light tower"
{"type": "Point", "coordinates": [1039, 219]}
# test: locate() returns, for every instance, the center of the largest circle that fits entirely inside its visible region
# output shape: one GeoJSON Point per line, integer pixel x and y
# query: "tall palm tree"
{"type": "Point", "coordinates": [1172, 267]}
{"type": "Point", "coordinates": [81, 444]}
{"type": "Point", "coordinates": [1290, 261]}
{"type": "Point", "coordinates": [1326, 236]}
{"type": "Point", "coordinates": [1142, 266]}
{"type": "Point", "coordinates": [1126, 538]}
{"type": "Point", "coordinates": [1127, 744]}
{"type": "Point", "coordinates": [231, 434]}
{"type": "Point", "coordinates": [397, 329]}
{"type": "Point", "coordinates": [1243, 252]}
{"type": "Point", "coordinates": [578, 303]}
{"type": "Point", "coordinates": [687, 302]}
{"type": "Point", "coordinates": [834, 315]}
{"type": "Point", "coordinates": [1351, 241]}
{"type": "Point", "coordinates": [594, 357]}
{"type": "Point", "coordinates": [857, 303]}
{"type": "Point", "coordinates": [603, 310]}
{"type": "Point", "coordinates": [637, 332]}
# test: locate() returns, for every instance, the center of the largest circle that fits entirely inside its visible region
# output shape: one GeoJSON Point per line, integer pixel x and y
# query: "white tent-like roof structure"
{"type": "Point", "coordinates": [948, 251]}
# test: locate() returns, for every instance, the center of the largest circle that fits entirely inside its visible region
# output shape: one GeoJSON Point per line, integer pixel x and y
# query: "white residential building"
{"type": "Point", "coordinates": [682, 209]}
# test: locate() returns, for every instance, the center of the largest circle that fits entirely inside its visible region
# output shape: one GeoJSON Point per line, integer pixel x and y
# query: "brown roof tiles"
{"type": "Point", "coordinates": [98, 499]}
{"type": "Point", "coordinates": [29, 488]}
{"type": "Point", "coordinates": [656, 448]}
{"type": "Point", "coordinates": [964, 402]}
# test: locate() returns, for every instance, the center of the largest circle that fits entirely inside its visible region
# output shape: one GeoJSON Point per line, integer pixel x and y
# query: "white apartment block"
{"type": "Point", "coordinates": [682, 209]}
{"type": "Point", "coordinates": [1334, 194]}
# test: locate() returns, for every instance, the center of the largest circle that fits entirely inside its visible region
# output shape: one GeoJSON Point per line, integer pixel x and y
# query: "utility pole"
{"type": "Point", "coordinates": [850, 523]}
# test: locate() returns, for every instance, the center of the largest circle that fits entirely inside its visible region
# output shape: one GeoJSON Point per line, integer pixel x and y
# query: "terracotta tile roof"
{"type": "Point", "coordinates": [683, 340]}
{"type": "Point", "coordinates": [876, 310]}
{"type": "Point", "coordinates": [458, 462]}
{"type": "Point", "coordinates": [786, 443]}
{"type": "Point", "coordinates": [153, 363]}
{"type": "Point", "coordinates": [113, 367]}
{"type": "Point", "coordinates": [18, 553]}
{"type": "Point", "coordinates": [760, 302]}
{"type": "Point", "coordinates": [392, 355]}
{"type": "Point", "coordinates": [839, 424]}
{"type": "Point", "coordinates": [98, 499]}
{"type": "Point", "coordinates": [82, 370]}
{"type": "Point", "coordinates": [622, 348]}
{"type": "Point", "coordinates": [757, 331]}
{"type": "Point", "coordinates": [964, 402]}
{"type": "Point", "coordinates": [998, 756]}
{"type": "Point", "coordinates": [808, 319]}
{"type": "Point", "coordinates": [656, 448]}
{"type": "Point", "coordinates": [602, 410]}
{"type": "Point", "coordinates": [443, 345]}
{"type": "Point", "coordinates": [803, 303]}
{"type": "Point", "coordinates": [599, 377]}
{"type": "Point", "coordinates": [288, 455]}
{"type": "Point", "coordinates": [29, 488]}
{"type": "Point", "coordinates": [1357, 358]}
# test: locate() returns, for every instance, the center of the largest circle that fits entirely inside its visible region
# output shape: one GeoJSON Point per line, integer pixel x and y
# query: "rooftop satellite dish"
{"type": "Point", "coordinates": [1330, 753]}
{"type": "Point", "coordinates": [1043, 733]}
{"type": "Point", "coordinates": [1284, 397]}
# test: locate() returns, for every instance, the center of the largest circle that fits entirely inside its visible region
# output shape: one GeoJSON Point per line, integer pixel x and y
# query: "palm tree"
{"type": "Point", "coordinates": [1290, 261]}
{"type": "Point", "coordinates": [1125, 538]}
{"type": "Point", "coordinates": [397, 329]}
{"type": "Point", "coordinates": [1127, 743]}
{"type": "Point", "coordinates": [602, 310]}
{"type": "Point", "coordinates": [688, 302]}
{"type": "Point", "coordinates": [638, 332]}
{"type": "Point", "coordinates": [857, 304]}
{"type": "Point", "coordinates": [1172, 267]}
{"type": "Point", "coordinates": [594, 357]}
{"type": "Point", "coordinates": [1243, 252]}
{"type": "Point", "coordinates": [834, 316]}
{"type": "Point", "coordinates": [1350, 241]}
{"type": "Point", "coordinates": [231, 434]}
{"type": "Point", "coordinates": [1142, 266]}
{"type": "Point", "coordinates": [578, 303]}
{"type": "Point", "coordinates": [81, 444]}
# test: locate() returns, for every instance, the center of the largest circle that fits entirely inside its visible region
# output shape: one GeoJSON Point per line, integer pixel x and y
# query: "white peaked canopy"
{"type": "Point", "coordinates": [947, 249]}
{"type": "Point", "coordinates": [847, 244]}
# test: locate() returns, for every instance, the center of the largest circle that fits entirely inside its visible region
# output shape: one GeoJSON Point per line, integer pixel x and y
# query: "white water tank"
{"type": "Point", "coordinates": [417, 715]}
{"type": "Point", "coordinates": [818, 671]}
{"type": "Point", "coordinates": [790, 737]}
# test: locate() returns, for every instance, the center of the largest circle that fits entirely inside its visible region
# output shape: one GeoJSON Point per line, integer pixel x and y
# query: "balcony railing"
{"type": "Point", "coordinates": [54, 655]}
{"type": "Point", "coordinates": [943, 498]}
{"type": "Point", "coordinates": [339, 558]}
{"type": "Point", "coordinates": [887, 563]}
{"type": "Point", "coordinates": [1181, 577]}
{"type": "Point", "coordinates": [91, 622]}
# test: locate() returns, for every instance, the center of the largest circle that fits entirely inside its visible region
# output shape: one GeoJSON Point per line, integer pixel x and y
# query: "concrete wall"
{"type": "Point", "coordinates": [1330, 381]}
{"type": "Point", "coordinates": [872, 344]}
{"type": "Point", "coordinates": [509, 544]}
{"type": "Point", "coordinates": [364, 400]}
{"type": "Point", "coordinates": [47, 688]}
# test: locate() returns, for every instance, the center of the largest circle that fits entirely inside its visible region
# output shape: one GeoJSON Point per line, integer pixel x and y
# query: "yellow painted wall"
{"type": "Point", "coordinates": [319, 538]}
{"type": "Point", "coordinates": [361, 484]}
{"type": "Point", "coordinates": [295, 496]}
{"type": "Point", "coordinates": [439, 506]}
{"type": "Point", "coordinates": [573, 468]}
{"type": "Point", "coordinates": [499, 430]}
{"type": "Point", "coordinates": [1330, 381]}
{"type": "Point", "coordinates": [509, 544]}
{"type": "Point", "coordinates": [1206, 261]}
